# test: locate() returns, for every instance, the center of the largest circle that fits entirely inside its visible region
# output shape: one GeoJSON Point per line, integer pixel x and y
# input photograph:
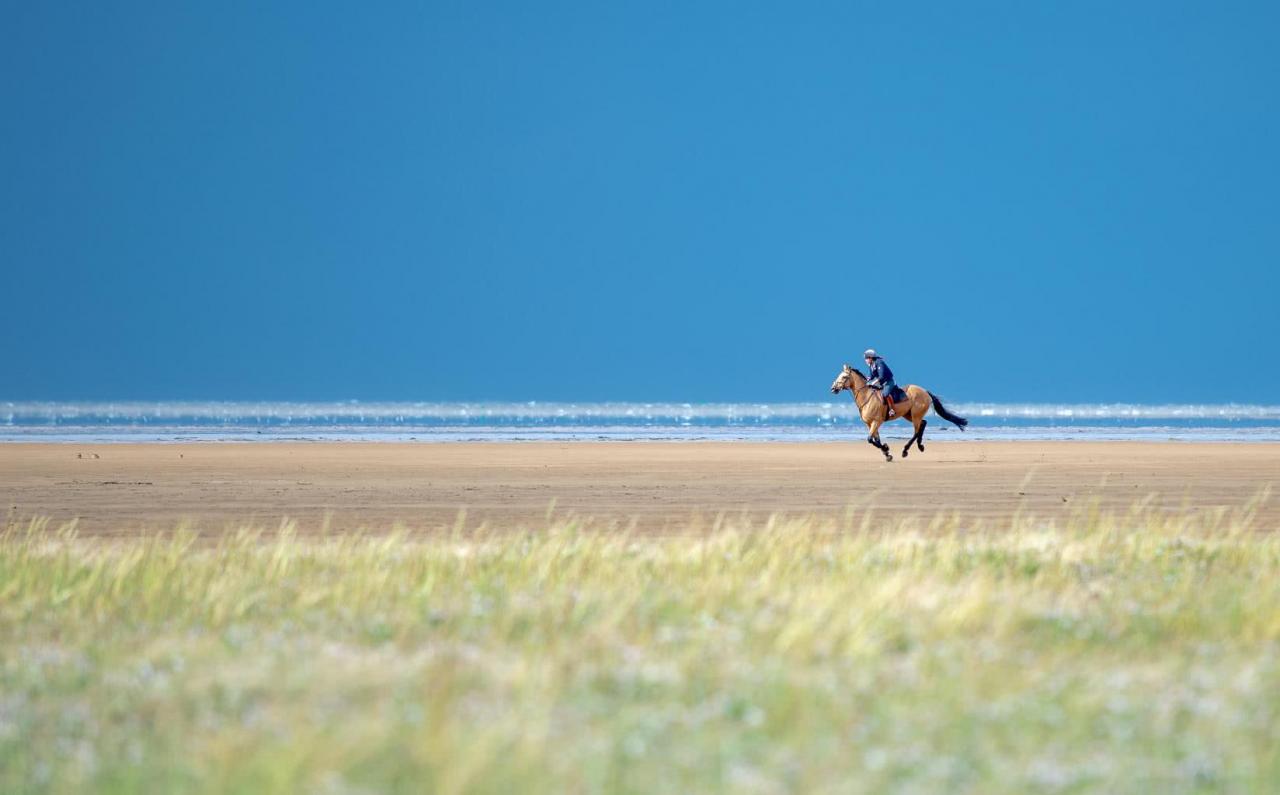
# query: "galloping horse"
{"type": "Point", "coordinates": [873, 410]}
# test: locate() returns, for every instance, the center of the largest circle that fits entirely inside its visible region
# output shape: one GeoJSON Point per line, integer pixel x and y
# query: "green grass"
{"type": "Point", "coordinates": [1118, 653]}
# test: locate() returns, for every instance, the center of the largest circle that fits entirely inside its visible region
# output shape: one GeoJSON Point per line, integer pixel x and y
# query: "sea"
{"type": "Point", "coordinates": [834, 421]}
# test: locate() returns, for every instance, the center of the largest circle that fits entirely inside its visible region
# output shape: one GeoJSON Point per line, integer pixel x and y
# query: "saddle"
{"type": "Point", "coordinates": [897, 394]}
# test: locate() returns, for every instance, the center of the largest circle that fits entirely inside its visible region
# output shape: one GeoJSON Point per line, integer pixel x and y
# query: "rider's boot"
{"type": "Point", "coordinates": [888, 407]}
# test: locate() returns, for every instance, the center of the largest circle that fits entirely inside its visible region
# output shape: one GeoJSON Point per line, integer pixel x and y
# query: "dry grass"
{"type": "Point", "coordinates": [1119, 653]}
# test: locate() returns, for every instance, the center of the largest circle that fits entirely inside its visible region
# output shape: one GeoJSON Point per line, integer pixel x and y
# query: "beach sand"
{"type": "Point", "coordinates": [116, 489]}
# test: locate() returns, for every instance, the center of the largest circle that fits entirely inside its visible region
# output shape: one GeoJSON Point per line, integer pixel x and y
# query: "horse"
{"type": "Point", "coordinates": [874, 411]}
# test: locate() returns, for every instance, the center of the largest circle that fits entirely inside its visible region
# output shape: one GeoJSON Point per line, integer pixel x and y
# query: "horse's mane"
{"type": "Point", "coordinates": [859, 372]}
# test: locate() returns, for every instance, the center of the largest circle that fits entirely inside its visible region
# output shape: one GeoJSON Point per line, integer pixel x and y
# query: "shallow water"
{"type": "Point", "coordinates": [833, 421]}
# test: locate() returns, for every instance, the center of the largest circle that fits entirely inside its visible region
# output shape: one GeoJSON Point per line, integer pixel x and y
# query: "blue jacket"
{"type": "Point", "coordinates": [881, 375]}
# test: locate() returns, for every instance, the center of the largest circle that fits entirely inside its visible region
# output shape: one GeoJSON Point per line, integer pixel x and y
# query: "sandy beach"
{"type": "Point", "coordinates": [124, 489]}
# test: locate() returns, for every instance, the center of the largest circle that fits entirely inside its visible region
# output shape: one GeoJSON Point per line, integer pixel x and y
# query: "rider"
{"type": "Point", "coordinates": [881, 378]}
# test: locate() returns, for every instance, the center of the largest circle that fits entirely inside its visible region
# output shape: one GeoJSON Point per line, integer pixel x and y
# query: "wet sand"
{"type": "Point", "coordinates": [125, 489]}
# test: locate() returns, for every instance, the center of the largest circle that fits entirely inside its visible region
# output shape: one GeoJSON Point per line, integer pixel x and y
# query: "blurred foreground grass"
{"type": "Point", "coordinates": [1120, 653]}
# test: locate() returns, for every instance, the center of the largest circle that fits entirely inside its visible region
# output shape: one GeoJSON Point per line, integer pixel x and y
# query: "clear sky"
{"type": "Point", "coordinates": [638, 201]}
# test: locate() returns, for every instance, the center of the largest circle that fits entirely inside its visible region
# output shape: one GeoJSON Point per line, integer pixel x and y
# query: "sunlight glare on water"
{"type": "Point", "coordinates": [833, 420]}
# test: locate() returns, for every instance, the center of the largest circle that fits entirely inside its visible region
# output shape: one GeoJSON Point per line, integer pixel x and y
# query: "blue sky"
{"type": "Point", "coordinates": [708, 201]}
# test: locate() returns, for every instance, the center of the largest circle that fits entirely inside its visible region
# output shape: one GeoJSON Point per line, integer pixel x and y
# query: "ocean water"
{"type": "Point", "coordinates": [832, 421]}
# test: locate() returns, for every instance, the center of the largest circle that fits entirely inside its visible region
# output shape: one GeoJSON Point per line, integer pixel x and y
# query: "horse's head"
{"type": "Point", "coordinates": [844, 380]}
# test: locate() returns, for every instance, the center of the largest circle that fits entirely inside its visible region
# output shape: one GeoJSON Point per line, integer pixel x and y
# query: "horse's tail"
{"type": "Point", "coordinates": [957, 420]}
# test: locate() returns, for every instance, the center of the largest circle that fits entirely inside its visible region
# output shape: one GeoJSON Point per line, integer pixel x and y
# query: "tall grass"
{"type": "Point", "coordinates": [1125, 653]}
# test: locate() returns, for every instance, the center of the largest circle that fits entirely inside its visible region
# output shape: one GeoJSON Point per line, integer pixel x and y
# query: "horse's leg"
{"type": "Point", "coordinates": [921, 397]}
{"type": "Point", "coordinates": [871, 439]}
{"type": "Point", "coordinates": [874, 439]}
{"type": "Point", "coordinates": [919, 425]}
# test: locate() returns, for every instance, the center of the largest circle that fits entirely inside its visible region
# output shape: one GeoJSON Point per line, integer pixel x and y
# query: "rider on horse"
{"type": "Point", "coordinates": [882, 378]}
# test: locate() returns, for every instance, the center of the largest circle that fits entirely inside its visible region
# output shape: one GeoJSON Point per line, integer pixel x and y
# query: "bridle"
{"type": "Point", "coordinates": [862, 390]}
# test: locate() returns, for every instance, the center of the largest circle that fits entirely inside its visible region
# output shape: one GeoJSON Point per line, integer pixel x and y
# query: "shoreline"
{"type": "Point", "coordinates": [1245, 436]}
{"type": "Point", "coordinates": [442, 440]}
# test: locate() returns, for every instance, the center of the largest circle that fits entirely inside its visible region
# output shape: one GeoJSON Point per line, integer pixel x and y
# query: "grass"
{"type": "Point", "coordinates": [1091, 652]}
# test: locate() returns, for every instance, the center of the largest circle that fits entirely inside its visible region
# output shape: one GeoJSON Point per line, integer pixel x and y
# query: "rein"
{"type": "Point", "coordinates": [862, 390]}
